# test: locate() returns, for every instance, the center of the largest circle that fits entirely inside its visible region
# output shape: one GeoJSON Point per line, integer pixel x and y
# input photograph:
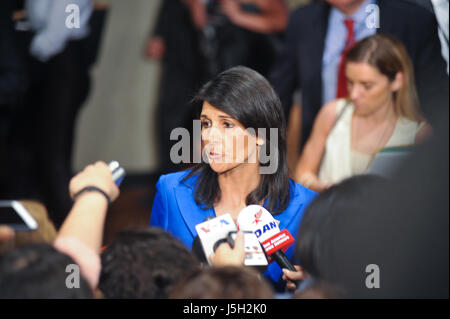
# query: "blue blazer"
{"type": "Point", "coordinates": [175, 210]}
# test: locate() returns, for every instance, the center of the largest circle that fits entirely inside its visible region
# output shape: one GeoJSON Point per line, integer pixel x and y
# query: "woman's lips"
{"type": "Point", "coordinates": [215, 156]}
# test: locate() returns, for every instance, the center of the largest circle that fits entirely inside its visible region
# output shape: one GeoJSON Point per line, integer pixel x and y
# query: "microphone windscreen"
{"type": "Point", "coordinates": [257, 219]}
{"type": "Point", "coordinates": [214, 230]}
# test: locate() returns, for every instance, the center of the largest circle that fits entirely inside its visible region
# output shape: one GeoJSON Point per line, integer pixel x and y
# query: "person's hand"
{"type": "Point", "coordinates": [98, 175]}
{"type": "Point", "coordinates": [198, 12]}
{"type": "Point", "coordinates": [156, 48]}
{"type": "Point", "coordinates": [311, 181]}
{"type": "Point", "coordinates": [227, 256]}
{"type": "Point", "coordinates": [6, 234]}
{"type": "Point", "coordinates": [292, 276]}
{"type": "Point", "coordinates": [231, 8]}
{"type": "Point", "coordinates": [320, 186]}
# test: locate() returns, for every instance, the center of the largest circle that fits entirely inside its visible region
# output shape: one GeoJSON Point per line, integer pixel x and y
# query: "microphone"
{"type": "Point", "coordinates": [197, 248]}
{"type": "Point", "coordinates": [118, 172]}
{"type": "Point", "coordinates": [257, 219]}
{"type": "Point", "coordinates": [215, 231]}
{"type": "Point", "coordinates": [210, 232]}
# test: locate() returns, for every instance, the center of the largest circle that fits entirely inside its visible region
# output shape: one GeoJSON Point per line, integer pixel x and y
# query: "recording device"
{"type": "Point", "coordinates": [215, 231]}
{"type": "Point", "coordinates": [15, 215]}
{"type": "Point", "coordinates": [257, 219]}
{"type": "Point", "coordinates": [118, 172]}
{"type": "Point", "coordinates": [197, 248]}
{"type": "Point", "coordinates": [254, 254]}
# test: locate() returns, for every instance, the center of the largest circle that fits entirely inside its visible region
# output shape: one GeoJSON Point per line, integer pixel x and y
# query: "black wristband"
{"type": "Point", "coordinates": [92, 189]}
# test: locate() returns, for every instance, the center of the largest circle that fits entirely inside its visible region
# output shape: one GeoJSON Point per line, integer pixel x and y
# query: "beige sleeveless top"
{"type": "Point", "coordinates": [340, 161]}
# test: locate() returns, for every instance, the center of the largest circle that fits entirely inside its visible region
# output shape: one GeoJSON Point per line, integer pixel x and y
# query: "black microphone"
{"type": "Point", "coordinates": [282, 260]}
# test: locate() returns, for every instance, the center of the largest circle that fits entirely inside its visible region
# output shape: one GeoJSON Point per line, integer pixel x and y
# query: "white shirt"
{"type": "Point", "coordinates": [48, 19]}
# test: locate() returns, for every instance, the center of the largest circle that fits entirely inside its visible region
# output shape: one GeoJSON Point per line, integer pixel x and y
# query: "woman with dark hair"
{"type": "Point", "coordinates": [241, 118]}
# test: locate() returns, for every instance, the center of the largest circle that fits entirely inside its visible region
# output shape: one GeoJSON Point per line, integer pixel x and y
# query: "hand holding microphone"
{"type": "Point", "coordinates": [257, 219]}
{"type": "Point", "coordinates": [100, 177]}
{"type": "Point", "coordinates": [216, 244]}
{"type": "Point", "coordinates": [293, 277]}
{"type": "Point", "coordinates": [225, 255]}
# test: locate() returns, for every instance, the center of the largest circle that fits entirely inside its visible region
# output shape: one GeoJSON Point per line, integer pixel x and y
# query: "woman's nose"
{"type": "Point", "coordinates": [354, 92]}
{"type": "Point", "coordinates": [212, 135]}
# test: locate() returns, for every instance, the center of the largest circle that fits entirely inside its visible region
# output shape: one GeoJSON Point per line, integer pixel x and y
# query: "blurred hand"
{"type": "Point", "coordinates": [6, 234]}
{"type": "Point", "coordinates": [227, 256]}
{"type": "Point", "coordinates": [231, 8]}
{"type": "Point", "coordinates": [321, 186]}
{"type": "Point", "coordinates": [292, 276]}
{"type": "Point", "coordinates": [156, 48]}
{"type": "Point", "coordinates": [98, 175]}
{"type": "Point", "coordinates": [198, 12]}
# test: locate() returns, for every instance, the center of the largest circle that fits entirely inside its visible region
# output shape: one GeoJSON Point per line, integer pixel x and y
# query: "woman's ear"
{"type": "Point", "coordinates": [398, 81]}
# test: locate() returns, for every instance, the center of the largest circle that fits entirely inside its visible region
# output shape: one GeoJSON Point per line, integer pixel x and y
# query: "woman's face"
{"type": "Point", "coordinates": [225, 142]}
{"type": "Point", "coordinates": [369, 89]}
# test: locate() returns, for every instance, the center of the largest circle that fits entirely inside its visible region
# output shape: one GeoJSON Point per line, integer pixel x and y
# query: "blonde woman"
{"type": "Point", "coordinates": [382, 110]}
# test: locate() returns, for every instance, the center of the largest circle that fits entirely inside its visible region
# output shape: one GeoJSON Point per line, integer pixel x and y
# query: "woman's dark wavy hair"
{"type": "Point", "coordinates": [248, 97]}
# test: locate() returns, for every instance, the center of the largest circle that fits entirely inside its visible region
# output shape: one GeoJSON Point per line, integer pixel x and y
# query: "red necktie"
{"type": "Point", "coordinates": [342, 79]}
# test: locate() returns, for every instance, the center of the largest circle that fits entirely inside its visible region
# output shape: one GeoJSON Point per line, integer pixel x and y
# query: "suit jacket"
{"type": "Point", "coordinates": [300, 62]}
{"type": "Point", "coordinates": [175, 210]}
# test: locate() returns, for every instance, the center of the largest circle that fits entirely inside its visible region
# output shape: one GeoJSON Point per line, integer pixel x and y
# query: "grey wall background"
{"type": "Point", "coordinates": [116, 122]}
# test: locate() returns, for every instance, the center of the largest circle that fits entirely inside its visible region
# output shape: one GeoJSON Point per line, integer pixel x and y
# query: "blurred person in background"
{"type": "Point", "coordinates": [14, 82]}
{"type": "Point", "coordinates": [38, 271]}
{"type": "Point", "coordinates": [319, 35]}
{"type": "Point", "coordinates": [174, 41]}
{"type": "Point", "coordinates": [242, 32]}
{"type": "Point", "coordinates": [337, 205]}
{"type": "Point", "coordinates": [228, 282]}
{"type": "Point", "coordinates": [61, 53]}
{"type": "Point", "coordinates": [440, 9]}
{"type": "Point", "coordinates": [369, 238]}
{"type": "Point", "coordinates": [382, 111]}
{"type": "Point", "coordinates": [144, 263]}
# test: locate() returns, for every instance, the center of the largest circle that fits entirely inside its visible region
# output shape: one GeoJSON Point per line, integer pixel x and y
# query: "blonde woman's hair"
{"type": "Point", "coordinates": [389, 56]}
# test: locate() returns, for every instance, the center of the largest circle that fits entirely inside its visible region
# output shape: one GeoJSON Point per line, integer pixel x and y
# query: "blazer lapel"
{"type": "Point", "coordinates": [190, 211]}
{"type": "Point", "coordinates": [297, 201]}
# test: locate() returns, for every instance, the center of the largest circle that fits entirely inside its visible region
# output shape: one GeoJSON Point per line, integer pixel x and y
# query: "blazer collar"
{"type": "Point", "coordinates": [296, 202]}
{"type": "Point", "coordinates": [190, 211]}
{"type": "Point", "coordinates": [193, 214]}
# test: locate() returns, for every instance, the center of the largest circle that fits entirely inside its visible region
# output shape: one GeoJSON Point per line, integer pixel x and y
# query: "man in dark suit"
{"type": "Point", "coordinates": [309, 60]}
{"type": "Point", "coordinates": [174, 41]}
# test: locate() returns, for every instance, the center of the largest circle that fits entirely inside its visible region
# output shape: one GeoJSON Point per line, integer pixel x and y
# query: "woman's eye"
{"type": "Point", "coordinates": [205, 124]}
{"type": "Point", "coordinates": [228, 124]}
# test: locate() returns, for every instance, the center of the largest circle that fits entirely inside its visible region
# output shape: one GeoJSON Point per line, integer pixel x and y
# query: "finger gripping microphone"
{"type": "Point", "coordinates": [212, 232]}
{"type": "Point", "coordinates": [257, 219]}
